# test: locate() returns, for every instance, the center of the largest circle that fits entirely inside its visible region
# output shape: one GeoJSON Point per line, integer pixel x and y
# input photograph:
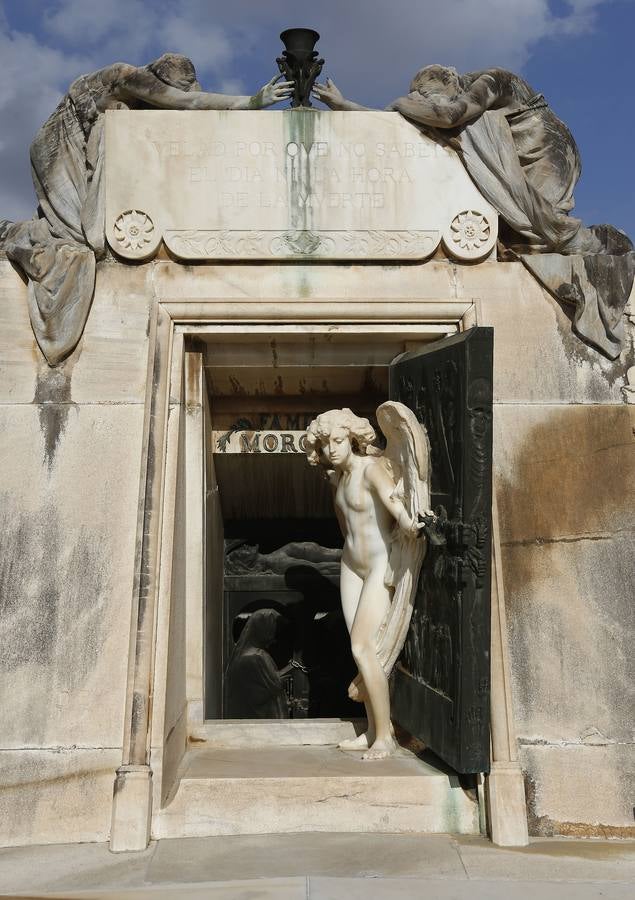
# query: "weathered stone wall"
{"type": "Point", "coordinates": [70, 458]}
{"type": "Point", "coordinates": [70, 451]}
{"type": "Point", "coordinates": [565, 483]}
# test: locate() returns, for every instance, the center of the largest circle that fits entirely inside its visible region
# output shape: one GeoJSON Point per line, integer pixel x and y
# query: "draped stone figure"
{"type": "Point", "coordinates": [58, 248]}
{"type": "Point", "coordinates": [379, 497]}
{"type": "Point", "coordinates": [525, 162]}
{"type": "Point", "coordinates": [252, 665]}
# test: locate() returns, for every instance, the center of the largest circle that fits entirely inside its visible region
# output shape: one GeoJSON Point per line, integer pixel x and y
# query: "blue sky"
{"type": "Point", "coordinates": [579, 53]}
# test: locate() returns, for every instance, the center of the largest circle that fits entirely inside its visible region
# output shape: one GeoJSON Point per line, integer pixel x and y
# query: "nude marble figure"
{"type": "Point", "coordinates": [378, 499]}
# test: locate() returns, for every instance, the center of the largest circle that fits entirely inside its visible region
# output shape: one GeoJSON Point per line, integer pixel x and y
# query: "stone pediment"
{"type": "Point", "coordinates": [299, 184]}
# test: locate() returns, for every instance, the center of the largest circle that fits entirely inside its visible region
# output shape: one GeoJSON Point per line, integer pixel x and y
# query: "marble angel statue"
{"type": "Point", "coordinates": [379, 497]}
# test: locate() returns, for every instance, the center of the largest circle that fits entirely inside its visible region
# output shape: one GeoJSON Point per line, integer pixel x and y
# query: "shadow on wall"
{"type": "Point", "coordinates": [53, 591]}
{"type": "Point", "coordinates": [566, 493]}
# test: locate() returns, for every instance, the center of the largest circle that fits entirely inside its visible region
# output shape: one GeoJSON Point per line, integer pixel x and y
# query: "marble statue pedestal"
{"type": "Point", "coordinates": [267, 790]}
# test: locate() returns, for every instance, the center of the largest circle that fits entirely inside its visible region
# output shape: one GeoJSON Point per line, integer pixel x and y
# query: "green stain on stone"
{"type": "Point", "coordinates": [299, 131]}
{"type": "Point", "coordinates": [304, 290]}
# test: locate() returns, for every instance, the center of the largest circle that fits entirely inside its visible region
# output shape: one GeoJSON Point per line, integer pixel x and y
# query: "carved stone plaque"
{"type": "Point", "coordinates": [299, 184]}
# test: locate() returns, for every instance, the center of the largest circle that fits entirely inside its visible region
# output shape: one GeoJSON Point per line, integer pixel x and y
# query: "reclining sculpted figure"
{"type": "Point", "coordinates": [57, 249]}
{"type": "Point", "coordinates": [525, 162]}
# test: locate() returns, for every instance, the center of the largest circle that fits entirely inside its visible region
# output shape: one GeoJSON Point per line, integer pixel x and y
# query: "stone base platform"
{"type": "Point", "coordinates": [267, 790]}
{"type": "Point", "coordinates": [240, 733]}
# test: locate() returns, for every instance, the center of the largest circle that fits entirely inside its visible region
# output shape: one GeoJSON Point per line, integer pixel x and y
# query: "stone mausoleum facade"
{"type": "Point", "coordinates": [261, 269]}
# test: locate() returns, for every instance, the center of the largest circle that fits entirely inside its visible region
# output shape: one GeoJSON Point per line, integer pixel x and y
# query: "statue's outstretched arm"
{"type": "Point", "coordinates": [444, 112]}
{"type": "Point", "coordinates": [145, 86]}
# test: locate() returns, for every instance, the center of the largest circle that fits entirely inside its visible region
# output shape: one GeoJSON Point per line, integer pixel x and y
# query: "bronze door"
{"type": "Point", "coordinates": [440, 685]}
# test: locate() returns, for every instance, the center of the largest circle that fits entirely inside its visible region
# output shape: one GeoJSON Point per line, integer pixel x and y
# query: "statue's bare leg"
{"type": "Point", "coordinates": [351, 588]}
{"type": "Point", "coordinates": [374, 603]}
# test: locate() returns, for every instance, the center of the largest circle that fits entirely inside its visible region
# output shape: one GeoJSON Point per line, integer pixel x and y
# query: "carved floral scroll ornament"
{"type": "Point", "coordinates": [344, 244]}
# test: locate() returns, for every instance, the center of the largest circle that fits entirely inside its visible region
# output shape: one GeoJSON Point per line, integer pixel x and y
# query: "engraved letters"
{"type": "Point", "coordinates": [290, 185]}
{"type": "Point", "coordinates": [353, 163]}
{"type": "Point", "coordinates": [259, 442]}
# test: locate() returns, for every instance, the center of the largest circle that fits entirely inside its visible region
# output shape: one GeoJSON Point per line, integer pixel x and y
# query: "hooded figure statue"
{"type": "Point", "coordinates": [254, 686]}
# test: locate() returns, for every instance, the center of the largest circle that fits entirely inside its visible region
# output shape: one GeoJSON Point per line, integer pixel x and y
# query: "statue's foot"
{"type": "Point", "coordinates": [381, 749]}
{"type": "Point", "coordinates": [361, 742]}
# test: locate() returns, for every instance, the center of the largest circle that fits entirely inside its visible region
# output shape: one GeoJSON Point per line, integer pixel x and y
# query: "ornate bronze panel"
{"type": "Point", "coordinates": [440, 686]}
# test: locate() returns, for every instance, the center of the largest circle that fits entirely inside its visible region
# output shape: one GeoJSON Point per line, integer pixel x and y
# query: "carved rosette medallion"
{"type": "Point", "coordinates": [470, 236]}
{"type": "Point", "coordinates": [203, 244]}
{"type": "Point", "coordinates": [135, 234]}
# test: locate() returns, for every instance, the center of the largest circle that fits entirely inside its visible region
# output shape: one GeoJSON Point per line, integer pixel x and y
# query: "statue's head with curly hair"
{"type": "Point", "coordinates": [335, 434]}
{"type": "Point", "coordinates": [437, 81]}
{"type": "Point", "coordinates": [175, 70]}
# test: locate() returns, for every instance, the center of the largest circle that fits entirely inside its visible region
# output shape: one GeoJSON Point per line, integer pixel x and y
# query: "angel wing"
{"type": "Point", "coordinates": [408, 454]}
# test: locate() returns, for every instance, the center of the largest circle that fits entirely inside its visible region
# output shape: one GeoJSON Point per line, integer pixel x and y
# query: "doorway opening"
{"type": "Point", "coordinates": [190, 739]}
{"type": "Point", "coordinates": [286, 652]}
{"type": "Point", "coordinates": [276, 645]}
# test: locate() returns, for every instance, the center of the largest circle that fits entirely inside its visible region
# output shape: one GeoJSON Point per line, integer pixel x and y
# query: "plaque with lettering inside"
{"type": "Point", "coordinates": [259, 441]}
{"type": "Point", "coordinates": [298, 184]}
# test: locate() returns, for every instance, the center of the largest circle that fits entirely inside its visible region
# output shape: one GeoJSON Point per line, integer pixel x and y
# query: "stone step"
{"type": "Point", "coordinates": [276, 790]}
{"type": "Point", "coordinates": [284, 732]}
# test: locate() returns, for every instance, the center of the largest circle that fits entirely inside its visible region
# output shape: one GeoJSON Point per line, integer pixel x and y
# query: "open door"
{"type": "Point", "coordinates": [440, 685]}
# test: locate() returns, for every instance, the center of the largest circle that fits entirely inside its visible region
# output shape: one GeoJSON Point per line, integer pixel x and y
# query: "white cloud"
{"type": "Point", "coordinates": [209, 47]}
{"type": "Point", "coordinates": [397, 38]}
{"type": "Point", "coordinates": [36, 72]}
{"type": "Point", "coordinates": [370, 44]}
{"type": "Point", "coordinates": [34, 78]}
{"type": "Point", "coordinates": [126, 30]}
{"type": "Point", "coordinates": [374, 46]}
{"type": "Point", "coordinates": [89, 22]}
{"type": "Point", "coordinates": [581, 17]}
